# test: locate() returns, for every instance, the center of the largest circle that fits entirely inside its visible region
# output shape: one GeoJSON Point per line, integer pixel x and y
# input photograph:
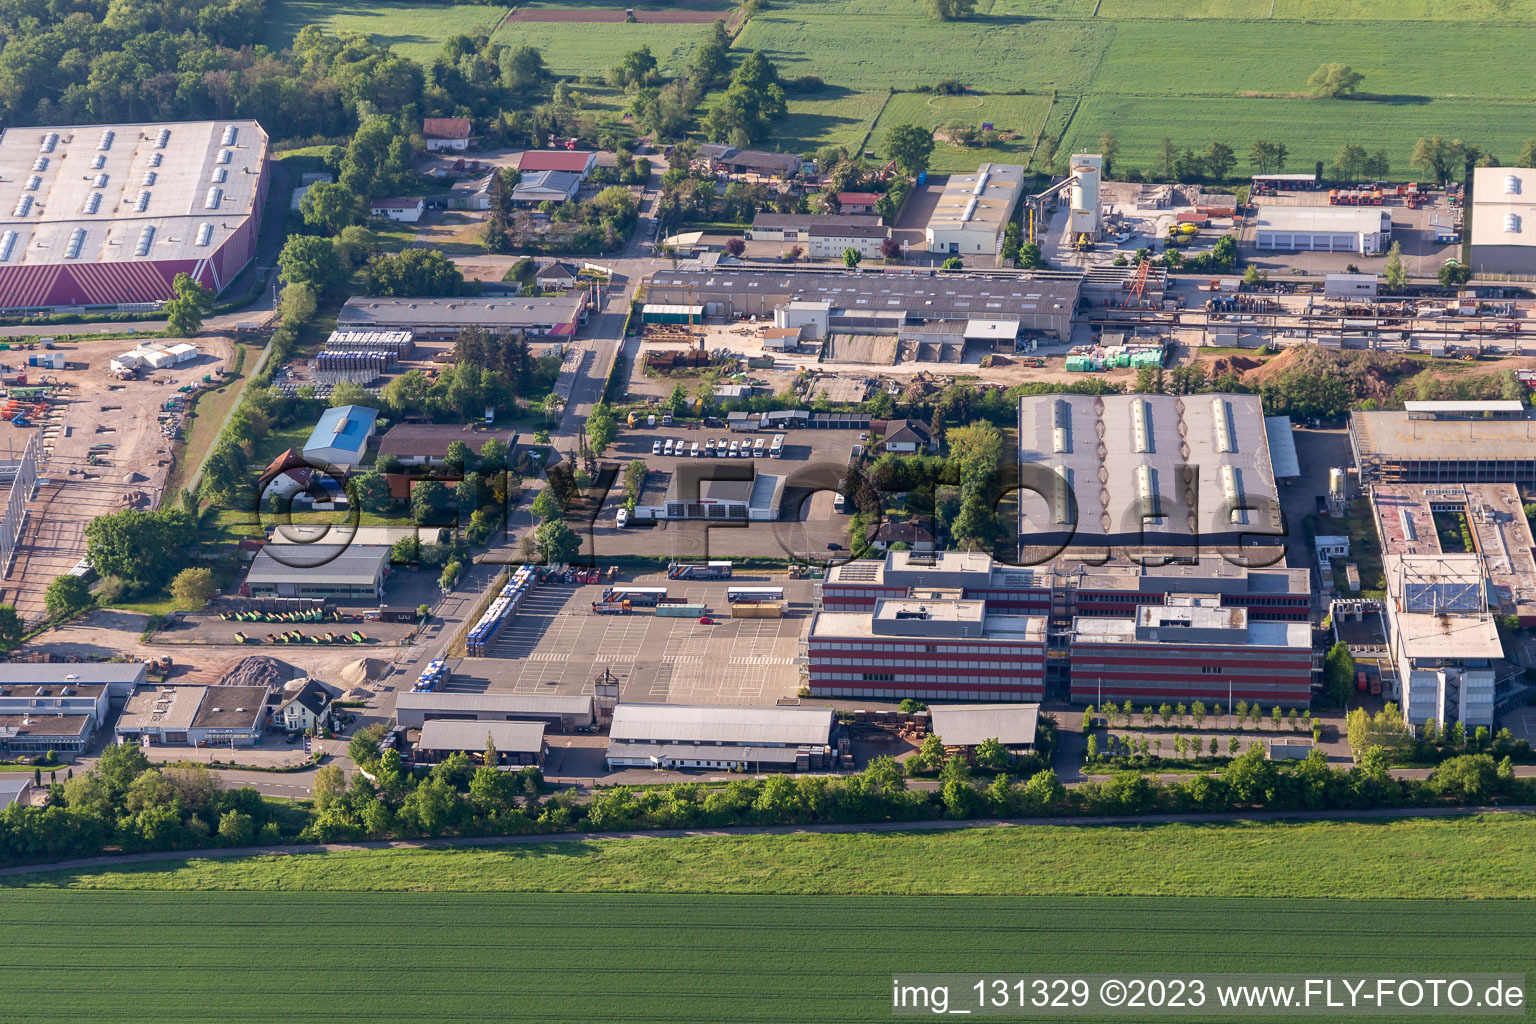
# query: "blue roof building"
{"type": "Point", "coordinates": [341, 437]}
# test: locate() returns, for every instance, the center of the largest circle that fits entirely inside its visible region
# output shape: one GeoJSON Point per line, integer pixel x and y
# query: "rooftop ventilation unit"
{"type": "Point", "coordinates": [214, 195]}
{"type": "Point", "coordinates": [204, 233]}
{"type": "Point", "coordinates": [98, 162]}
{"type": "Point", "coordinates": [231, 133]}
{"type": "Point", "coordinates": [40, 164]}
{"type": "Point", "coordinates": [1222, 410]}
{"type": "Point", "coordinates": [1146, 494]}
{"type": "Point", "coordinates": [1061, 426]}
{"type": "Point", "coordinates": [141, 201]}
{"type": "Point", "coordinates": [76, 243]}
{"type": "Point", "coordinates": [101, 181]}
{"type": "Point", "coordinates": [1233, 493]}
{"type": "Point", "coordinates": [1511, 184]}
{"type": "Point", "coordinates": [1063, 496]}
{"type": "Point", "coordinates": [225, 156]}
{"type": "Point", "coordinates": [33, 182]}
{"type": "Point", "coordinates": [50, 140]}
{"type": "Point", "coordinates": [155, 158]}
{"type": "Point", "coordinates": [149, 178]}
{"type": "Point", "coordinates": [146, 238]}
{"type": "Point", "coordinates": [92, 203]}
{"type": "Point", "coordinates": [23, 206]}
{"type": "Point", "coordinates": [219, 175]}
{"type": "Point", "coordinates": [105, 142]}
{"type": "Point", "coordinates": [1139, 424]}
{"type": "Point", "coordinates": [162, 137]}
{"type": "Point", "coordinates": [7, 245]}
{"type": "Point", "coordinates": [1512, 223]}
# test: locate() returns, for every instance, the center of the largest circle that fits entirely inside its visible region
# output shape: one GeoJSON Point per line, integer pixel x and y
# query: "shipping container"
{"type": "Point", "coordinates": [680, 611]}
{"type": "Point", "coordinates": [758, 610]}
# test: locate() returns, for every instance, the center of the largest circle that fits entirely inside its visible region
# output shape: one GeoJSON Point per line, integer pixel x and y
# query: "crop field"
{"type": "Point", "coordinates": [593, 48]}
{"type": "Point", "coordinates": [416, 31]}
{"type": "Point", "coordinates": [1312, 130]}
{"type": "Point", "coordinates": [1020, 115]}
{"type": "Point", "coordinates": [894, 51]}
{"type": "Point", "coordinates": [170, 957]}
{"type": "Point", "coordinates": [833, 117]}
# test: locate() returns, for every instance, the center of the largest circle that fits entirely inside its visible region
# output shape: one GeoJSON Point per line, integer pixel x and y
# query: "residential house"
{"type": "Point", "coordinates": [405, 210]}
{"type": "Point", "coordinates": [857, 202]}
{"type": "Point", "coordinates": [555, 276]}
{"type": "Point", "coordinates": [717, 158]}
{"type": "Point", "coordinates": [446, 133]}
{"type": "Point", "coordinates": [304, 708]}
{"type": "Point", "coordinates": [907, 437]}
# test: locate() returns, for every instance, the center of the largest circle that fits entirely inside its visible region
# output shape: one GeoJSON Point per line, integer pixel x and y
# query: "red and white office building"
{"type": "Point", "coordinates": [930, 646]}
{"type": "Point", "coordinates": [998, 633]}
{"type": "Point", "coordinates": [1191, 648]}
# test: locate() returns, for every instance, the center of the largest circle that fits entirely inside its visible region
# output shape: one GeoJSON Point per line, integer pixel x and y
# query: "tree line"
{"type": "Point", "coordinates": [125, 804]}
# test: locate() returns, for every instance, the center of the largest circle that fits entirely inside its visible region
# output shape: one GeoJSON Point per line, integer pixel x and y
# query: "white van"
{"type": "Point", "coordinates": [668, 449]}
{"type": "Point", "coordinates": [622, 519]}
{"type": "Point", "coordinates": [693, 452]}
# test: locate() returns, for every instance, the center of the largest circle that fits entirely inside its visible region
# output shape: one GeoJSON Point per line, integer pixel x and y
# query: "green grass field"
{"type": "Point", "coordinates": [1473, 858]}
{"type": "Point", "coordinates": [413, 30]}
{"type": "Point", "coordinates": [1312, 129]}
{"type": "Point", "coordinates": [591, 48]}
{"type": "Point", "coordinates": [834, 117]}
{"type": "Point", "coordinates": [84, 957]}
{"type": "Point", "coordinates": [1022, 115]}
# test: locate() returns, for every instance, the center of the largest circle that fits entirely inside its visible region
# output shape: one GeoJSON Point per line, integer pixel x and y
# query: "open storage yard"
{"type": "Point", "coordinates": [557, 644]}
{"type": "Point", "coordinates": [108, 451]}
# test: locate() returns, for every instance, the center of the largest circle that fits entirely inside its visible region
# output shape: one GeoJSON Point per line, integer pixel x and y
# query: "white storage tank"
{"type": "Point", "coordinates": [1336, 482]}
{"type": "Point", "coordinates": [1087, 168]}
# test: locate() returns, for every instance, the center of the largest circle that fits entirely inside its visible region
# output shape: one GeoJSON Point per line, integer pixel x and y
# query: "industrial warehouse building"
{"type": "Point", "coordinates": [931, 646]}
{"type": "Point", "coordinates": [110, 214]}
{"type": "Point", "coordinates": [198, 716]}
{"type": "Point", "coordinates": [965, 727]}
{"type": "Point", "coordinates": [826, 236]}
{"type": "Point", "coordinates": [973, 211]}
{"type": "Point", "coordinates": [119, 677]}
{"type": "Point", "coordinates": [1144, 473]}
{"type": "Point", "coordinates": [1191, 648]}
{"type": "Point", "coordinates": [837, 301]}
{"type": "Point", "coordinates": [326, 571]}
{"type": "Point", "coordinates": [1503, 223]}
{"type": "Point", "coordinates": [59, 707]}
{"type": "Point", "coordinates": [426, 444]}
{"type": "Point", "coordinates": [1446, 442]}
{"type": "Point", "coordinates": [718, 491]}
{"type": "Point", "coordinates": [443, 319]}
{"type": "Point", "coordinates": [753, 739]}
{"type": "Point", "coordinates": [340, 438]}
{"type": "Point", "coordinates": [1363, 229]}
{"type": "Point", "coordinates": [559, 713]}
{"type": "Point", "coordinates": [517, 743]}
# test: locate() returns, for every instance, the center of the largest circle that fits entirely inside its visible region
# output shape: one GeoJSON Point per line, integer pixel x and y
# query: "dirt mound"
{"type": "Point", "coordinates": [363, 671]}
{"type": "Point", "coordinates": [1365, 374]}
{"type": "Point", "coordinates": [1233, 364]}
{"type": "Point", "coordinates": [259, 670]}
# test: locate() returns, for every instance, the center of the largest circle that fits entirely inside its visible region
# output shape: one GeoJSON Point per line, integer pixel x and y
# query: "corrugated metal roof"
{"type": "Point", "coordinates": [745, 726]}
{"type": "Point", "coordinates": [966, 725]}
{"type": "Point", "coordinates": [509, 737]}
{"type": "Point", "coordinates": [318, 564]}
{"type": "Point", "coordinates": [505, 703]}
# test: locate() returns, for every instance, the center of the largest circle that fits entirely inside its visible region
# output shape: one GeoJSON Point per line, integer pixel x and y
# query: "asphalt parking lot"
{"type": "Point", "coordinates": [557, 645]}
{"type": "Point", "coordinates": [813, 461]}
